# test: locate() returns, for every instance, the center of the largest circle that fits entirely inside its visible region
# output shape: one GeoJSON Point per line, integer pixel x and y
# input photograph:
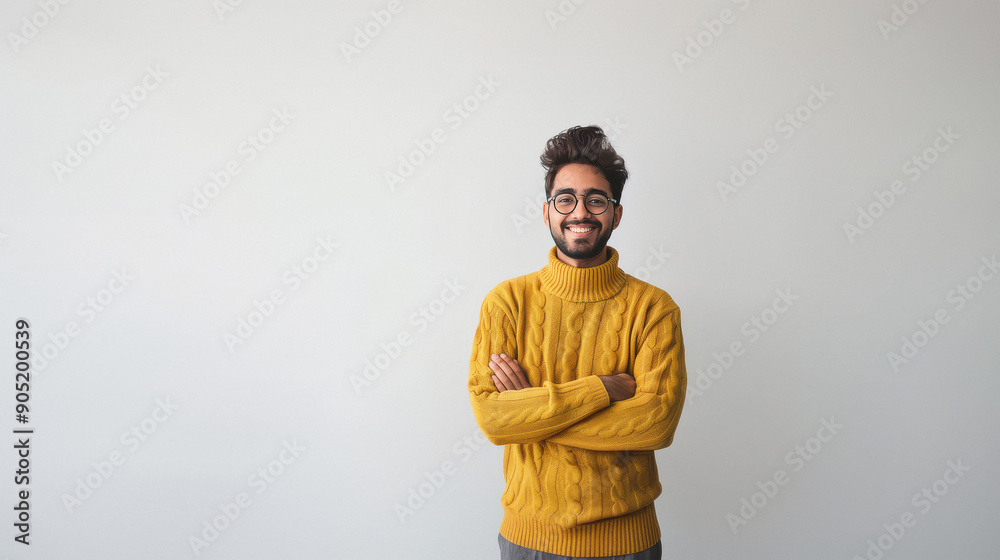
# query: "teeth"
{"type": "Point", "coordinates": [580, 230]}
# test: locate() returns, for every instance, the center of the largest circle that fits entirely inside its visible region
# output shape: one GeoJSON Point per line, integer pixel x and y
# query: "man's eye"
{"type": "Point", "coordinates": [565, 199]}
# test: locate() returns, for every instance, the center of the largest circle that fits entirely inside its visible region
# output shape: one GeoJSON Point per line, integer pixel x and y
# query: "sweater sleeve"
{"type": "Point", "coordinates": [646, 421]}
{"type": "Point", "coordinates": [526, 415]}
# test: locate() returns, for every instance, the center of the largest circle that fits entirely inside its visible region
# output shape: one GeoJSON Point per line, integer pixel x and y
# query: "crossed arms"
{"type": "Point", "coordinates": [635, 411]}
{"type": "Point", "coordinates": [508, 375]}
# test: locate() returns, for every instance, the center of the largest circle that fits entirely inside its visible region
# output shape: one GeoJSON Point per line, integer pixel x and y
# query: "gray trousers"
{"type": "Point", "coordinates": [511, 551]}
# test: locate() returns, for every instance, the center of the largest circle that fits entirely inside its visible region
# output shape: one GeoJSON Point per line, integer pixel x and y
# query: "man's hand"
{"type": "Point", "coordinates": [507, 374]}
{"type": "Point", "coordinates": [620, 386]}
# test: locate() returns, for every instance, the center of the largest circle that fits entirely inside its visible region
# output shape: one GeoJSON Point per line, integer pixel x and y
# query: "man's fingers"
{"type": "Point", "coordinates": [504, 378]}
{"type": "Point", "coordinates": [500, 378]}
{"type": "Point", "coordinates": [628, 386]}
{"type": "Point", "coordinates": [504, 370]}
{"type": "Point", "coordinates": [510, 376]}
{"type": "Point", "coordinates": [508, 373]}
{"type": "Point", "coordinates": [513, 370]}
{"type": "Point", "coordinates": [500, 386]}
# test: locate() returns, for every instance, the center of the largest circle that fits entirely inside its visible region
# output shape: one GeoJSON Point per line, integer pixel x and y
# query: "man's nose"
{"type": "Point", "coordinates": [581, 211]}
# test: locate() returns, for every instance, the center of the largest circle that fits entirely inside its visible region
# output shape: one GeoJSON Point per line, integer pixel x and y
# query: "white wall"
{"type": "Point", "coordinates": [201, 81]}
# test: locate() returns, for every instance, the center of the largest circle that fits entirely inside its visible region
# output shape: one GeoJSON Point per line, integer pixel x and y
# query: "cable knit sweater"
{"type": "Point", "coordinates": [580, 472]}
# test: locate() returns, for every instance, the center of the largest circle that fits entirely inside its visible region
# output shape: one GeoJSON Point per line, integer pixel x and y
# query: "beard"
{"type": "Point", "coordinates": [581, 248]}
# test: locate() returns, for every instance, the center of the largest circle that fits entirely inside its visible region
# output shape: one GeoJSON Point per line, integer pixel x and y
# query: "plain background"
{"type": "Point", "coordinates": [688, 90]}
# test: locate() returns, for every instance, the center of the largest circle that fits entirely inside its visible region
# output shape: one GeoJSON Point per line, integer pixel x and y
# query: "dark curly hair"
{"type": "Point", "coordinates": [587, 145]}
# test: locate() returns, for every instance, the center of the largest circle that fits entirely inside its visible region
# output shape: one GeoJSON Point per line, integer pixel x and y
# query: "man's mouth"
{"type": "Point", "coordinates": [581, 231]}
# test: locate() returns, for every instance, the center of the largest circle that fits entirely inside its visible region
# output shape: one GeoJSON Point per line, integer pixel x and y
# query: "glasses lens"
{"type": "Point", "coordinates": [565, 203]}
{"type": "Point", "coordinates": [597, 204]}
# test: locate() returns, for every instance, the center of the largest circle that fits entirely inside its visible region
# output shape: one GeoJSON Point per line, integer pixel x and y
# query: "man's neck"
{"type": "Point", "coordinates": [596, 260]}
{"type": "Point", "coordinates": [583, 284]}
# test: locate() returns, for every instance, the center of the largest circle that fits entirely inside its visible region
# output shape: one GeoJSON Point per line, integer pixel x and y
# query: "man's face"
{"type": "Point", "coordinates": [585, 246]}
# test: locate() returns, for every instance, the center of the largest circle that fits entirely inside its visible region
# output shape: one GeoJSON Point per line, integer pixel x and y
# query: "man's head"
{"type": "Point", "coordinates": [580, 163]}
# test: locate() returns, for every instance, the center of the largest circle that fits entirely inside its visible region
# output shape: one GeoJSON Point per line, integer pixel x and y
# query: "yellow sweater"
{"type": "Point", "coordinates": [580, 473]}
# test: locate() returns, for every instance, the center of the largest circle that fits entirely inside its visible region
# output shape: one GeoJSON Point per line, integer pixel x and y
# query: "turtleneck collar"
{"type": "Point", "coordinates": [580, 285]}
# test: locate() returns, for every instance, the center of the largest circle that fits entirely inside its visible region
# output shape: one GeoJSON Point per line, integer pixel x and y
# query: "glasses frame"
{"type": "Point", "coordinates": [577, 203]}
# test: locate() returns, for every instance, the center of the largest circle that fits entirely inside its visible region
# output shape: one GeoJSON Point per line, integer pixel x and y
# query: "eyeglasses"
{"type": "Point", "coordinates": [595, 203]}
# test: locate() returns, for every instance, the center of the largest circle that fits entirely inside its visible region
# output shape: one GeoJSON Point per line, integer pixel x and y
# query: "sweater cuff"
{"type": "Point", "coordinates": [598, 391]}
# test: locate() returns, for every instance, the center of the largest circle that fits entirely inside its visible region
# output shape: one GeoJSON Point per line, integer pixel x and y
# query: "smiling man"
{"type": "Point", "coordinates": [578, 371]}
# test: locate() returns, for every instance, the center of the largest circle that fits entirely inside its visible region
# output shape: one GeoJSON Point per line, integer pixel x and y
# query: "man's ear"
{"type": "Point", "coordinates": [618, 216]}
{"type": "Point", "coordinates": [545, 213]}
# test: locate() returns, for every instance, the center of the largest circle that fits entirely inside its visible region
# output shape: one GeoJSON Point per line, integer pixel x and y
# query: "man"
{"type": "Point", "coordinates": [578, 371]}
